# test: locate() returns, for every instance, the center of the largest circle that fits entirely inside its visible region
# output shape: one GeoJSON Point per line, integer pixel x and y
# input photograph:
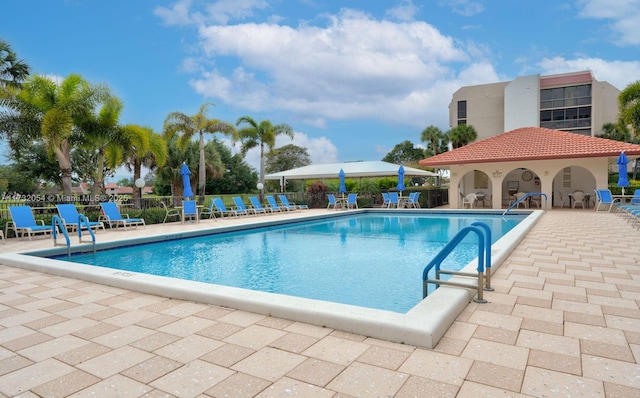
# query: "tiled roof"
{"type": "Point", "coordinates": [532, 143]}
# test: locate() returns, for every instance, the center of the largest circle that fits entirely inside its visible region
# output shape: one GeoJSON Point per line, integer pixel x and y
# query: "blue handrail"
{"type": "Point", "coordinates": [56, 221]}
{"type": "Point", "coordinates": [523, 197]}
{"type": "Point", "coordinates": [83, 220]}
{"type": "Point", "coordinates": [483, 232]}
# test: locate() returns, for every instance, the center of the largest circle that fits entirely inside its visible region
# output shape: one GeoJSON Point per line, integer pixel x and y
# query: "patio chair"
{"type": "Point", "coordinates": [603, 197]}
{"type": "Point", "coordinates": [412, 201]}
{"type": "Point", "coordinates": [189, 210]}
{"type": "Point", "coordinates": [112, 215]}
{"type": "Point", "coordinates": [71, 218]}
{"type": "Point", "coordinates": [255, 203]}
{"type": "Point", "coordinates": [394, 200]}
{"type": "Point", "coordinates": [352, 201]}
{"type": "Point", "coordinates": [222, 209]}
{"type": "Point", "coordinates": [285, 202]}
{"type": "Point", "coordinates": [470, 200]}
{"type": "Point", "coordinates": [332, 201]}
{"type": "Point", "coordinates": [241, 208]}
{"type": "Point", "coordinates": [23, 222]}
{"type": "Point", "coordinates": [170, 213]}
{"type": "Point", "coordinates": [385, 199]}
{"type": "Point", "coordinates": [274, 205]}
{"type": "Point", "coordinates": [577, 197]}
{"type": "Point", "coordinates": [517, 196]}
{"type": "Point", "coordinates": [564, 199]}
{"type": "Point", "coordinates": [208, 211]}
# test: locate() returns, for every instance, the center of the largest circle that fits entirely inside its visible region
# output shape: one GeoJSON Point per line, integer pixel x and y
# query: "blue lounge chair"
{"type": "Point", "coordinates": [255, 203]}
{"type": "Point", "coordinates": [23, 222]}
{"type": "Point", "coordinates": [208, 211]}
{"type": "Point", "coordinates": [71, 218]}
{"type": "Point", "coordinates": [241, 208]}
{"type": "Point", "coordinates": [111, 214]}
{"type": "Point", "coordinates": [222, 209]}
{"type": "Point", "coordinates": [274, 205]}
{"type": "Point", "coordinates": [604, 197]}
{"type": "Point", "coordinates": [285, 202]}
{"type": "Point", "coordinates": [189, 210]}
{"type": "Point", "coordinates": [352, 201]}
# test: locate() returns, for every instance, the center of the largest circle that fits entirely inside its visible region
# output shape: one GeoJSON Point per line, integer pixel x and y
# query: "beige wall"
{"type": "Point", "coordinates": [485, 108]}
{"type": "Point", "coordinates": [586, 175]}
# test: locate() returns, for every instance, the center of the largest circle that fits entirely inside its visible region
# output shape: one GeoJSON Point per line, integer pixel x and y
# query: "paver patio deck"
{"type": "Point", "coordinates": [563, 321]}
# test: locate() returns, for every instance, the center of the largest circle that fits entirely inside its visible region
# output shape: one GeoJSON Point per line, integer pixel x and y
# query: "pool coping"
{"type": "Point", "coordinates": [423, 325]}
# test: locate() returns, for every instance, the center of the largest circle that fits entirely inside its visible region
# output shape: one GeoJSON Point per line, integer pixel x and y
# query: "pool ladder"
{"type": "Point", "coordinates": [525, 196]}
{"type": "Point", "coordinates": [56, 223]}
{"type": "Point", "coordinates": [483, 232]}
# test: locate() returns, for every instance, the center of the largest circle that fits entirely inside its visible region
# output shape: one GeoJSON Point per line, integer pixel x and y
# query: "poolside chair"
{"type": "Point", "coordinates": [112, 215]}
{"type": "Point", "coordinates": [255, 203]}
{"type": "Point", "coordinates": [170, 213]}
{"type": "Point", "coordinates": [352, 201]}
{"type": "Point", "coordinates": [274, 205]}
{"type": "Point", "coordinates": [208, 211]}
{"type": "Point", "coordinates": [470, 200]}
{"type": "Point", "coordinates": [189, 210]}
{"type": "Point", "coordinates": [71, 218]}
{"type": "Point", "coordinates": [332, 201]}
{"type": "Point", "coordinates": [222, 209]}
{"type": "Point", "coordinates": [285, 202]}
{"type": "Point", "coordinates": [241, 208]}
{"type": "Point", "coordinates": [604, 197]}
{"type": "Point", "coordinates": [564, 198]}
{"type": "Point", "coordinates": [385, 199]}
{"type": "Point", "coordinates": [412, 201]}
{"type": "Point", "coordinates": [394, 200]}
{"type": "Point", "coordinates": [23, 222]}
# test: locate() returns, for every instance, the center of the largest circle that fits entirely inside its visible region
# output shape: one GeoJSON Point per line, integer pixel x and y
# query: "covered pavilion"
{"type": "Point", "coordinates": [530, 159]}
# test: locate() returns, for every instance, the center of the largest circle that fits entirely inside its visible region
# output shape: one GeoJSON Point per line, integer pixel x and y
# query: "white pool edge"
{"type": "Point", "coordinates": [424, 325]}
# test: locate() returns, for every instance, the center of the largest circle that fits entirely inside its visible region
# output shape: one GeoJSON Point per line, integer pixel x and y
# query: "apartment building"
{"type": "Point", "coordinates": [573, 102]}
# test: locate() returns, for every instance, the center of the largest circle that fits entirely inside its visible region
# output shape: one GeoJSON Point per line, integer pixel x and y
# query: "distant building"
{"type": "Point", "coordinates": [573, 102]}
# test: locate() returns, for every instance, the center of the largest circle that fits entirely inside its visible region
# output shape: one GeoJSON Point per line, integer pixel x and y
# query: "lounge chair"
{"type": "Point", "coordinates": [241, 208]}
{"type": "Point", "coordinates": [71, 218]}
{"type": "Point", "coordinates": [285, 202]}
{"type": "Point", "coordinates": [208, 211]}
{"type": "Point", "coordinates": [604, 197]}
{"type": "Point", "coordinates": [189, 210]}
{"type": "Point", "coordinates": [274, 205]}
{"type": "Point", "coordinates": [255, 203]}
{"type": "Point", "coordinates": [352, 201]}
{"type": "Point", "coordinates": [111, 214]}
{"type": "Point", "coordinates": [170, 213]}
{"type": "Point", "coordinates": [385, 199]}
{"type": "Point", "coordinates": [332, 201]}
{"type": "Point", "coordinates": [222, 209]}
{"type": "Point", "coordinates": [23, 222]}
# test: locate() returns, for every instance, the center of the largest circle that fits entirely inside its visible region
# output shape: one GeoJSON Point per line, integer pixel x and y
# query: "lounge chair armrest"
{"type": "Point", "coordinates": [41, 222]}
{"type": "Point", "coordinates": [124, 215]}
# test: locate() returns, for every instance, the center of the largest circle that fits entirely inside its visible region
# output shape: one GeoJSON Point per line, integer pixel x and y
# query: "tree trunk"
{"type": "Point", "coordinates": [262, 170]}
{"type": "Point", "coordinates": [64, 161]}
{"type": "Point", "coordinates": [98, 184]}
{"type": "Point", "coordinates": [201, 171]}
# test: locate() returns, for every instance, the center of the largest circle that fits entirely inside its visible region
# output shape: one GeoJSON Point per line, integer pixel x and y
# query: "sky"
{"type": "Point", "coordinates": [352, 78]}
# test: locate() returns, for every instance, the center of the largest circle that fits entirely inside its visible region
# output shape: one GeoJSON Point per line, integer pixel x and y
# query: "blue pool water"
{"type": "Point", "coordinates": [368, 260]}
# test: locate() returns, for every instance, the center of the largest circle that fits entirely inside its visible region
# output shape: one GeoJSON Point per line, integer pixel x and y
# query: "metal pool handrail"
{"type": "Point", "coordinates": [523, 197]}
{"type": "Point", "coordinates": [483, 232]}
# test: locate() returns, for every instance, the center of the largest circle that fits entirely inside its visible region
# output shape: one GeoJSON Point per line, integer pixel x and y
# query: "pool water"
{"type": "Point", "coordinates": [367, 260]}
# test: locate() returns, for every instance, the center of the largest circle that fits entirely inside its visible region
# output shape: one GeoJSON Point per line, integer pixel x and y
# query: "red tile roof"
{"type": "Point", "coordinates": [532, 143]}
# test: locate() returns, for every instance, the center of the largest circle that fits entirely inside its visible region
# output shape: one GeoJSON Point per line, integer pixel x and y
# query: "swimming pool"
{"type": "Point", "coordinates": [423, 325]}
{"type": "Point", "coordinates": [355, 259]}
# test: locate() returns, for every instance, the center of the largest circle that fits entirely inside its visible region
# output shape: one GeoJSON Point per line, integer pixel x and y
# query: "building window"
{"type": "Point", "coordinates": [462, 112]}
{"type": "Point", "coordinates": [563, 108]}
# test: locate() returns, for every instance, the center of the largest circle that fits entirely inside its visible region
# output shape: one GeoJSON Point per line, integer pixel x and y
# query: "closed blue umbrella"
{"type": "Point", "coordinates": [186, 182]}
{"type": "Point", "coordinates": [401, 186]}
{"type": "Point", "coordinates": [343, 187]}
{"type": "Point", "coordinates": [623, 177]}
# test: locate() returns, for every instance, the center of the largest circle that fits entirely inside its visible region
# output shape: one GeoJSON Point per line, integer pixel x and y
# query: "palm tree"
{"type": "Point", "coordinates": [170, 170]}
{"type": "Point", "coordinates": [462, 135]}
{"type": "Point", "coordinates": [53, 112]}
{"type": "Point", "coordinates": [13, 71]}
{"type": "Point", "coordinates": [262, 134]}
{"type": "Point", "coordinates": [629, 103]}
{"type": "Point", "coordinates": [188, 126]}
{"type": "Point", "coordinates": [435, 140]}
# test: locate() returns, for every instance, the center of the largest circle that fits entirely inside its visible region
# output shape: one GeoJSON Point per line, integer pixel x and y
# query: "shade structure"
{"type": "Point", "coordinates": [366, 169]}
{"type": "Point", "coordinates": [623, 177]}
{"type": "Point", "coordinates": [186, 182]}
{"type": "Point", "coordinates": [401, 186]}
{"type": "Point", "coordinates": [343, 187]}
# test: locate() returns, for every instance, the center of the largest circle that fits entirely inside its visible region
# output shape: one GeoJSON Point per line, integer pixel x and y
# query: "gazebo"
{"type": "Point", "coordinates": [530, 159]}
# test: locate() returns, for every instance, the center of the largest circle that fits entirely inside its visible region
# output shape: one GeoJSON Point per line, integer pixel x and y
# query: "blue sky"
{"type": "Point", "coordinates": [352, 80]}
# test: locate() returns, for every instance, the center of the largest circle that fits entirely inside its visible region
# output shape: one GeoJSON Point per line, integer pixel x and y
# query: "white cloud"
{"type": "Point", "coordinates": [176, 15]}
{"type": "Point", "coordinates": [404, 11]}
{"type": "Point", "coordinates": [221, 11]}
{"type": "Point", "coordinates": [623, 14]}
{"type": "Point", "coordinates": [618, 73]}
{"type": "Point", "coordinates": [468, 8]}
